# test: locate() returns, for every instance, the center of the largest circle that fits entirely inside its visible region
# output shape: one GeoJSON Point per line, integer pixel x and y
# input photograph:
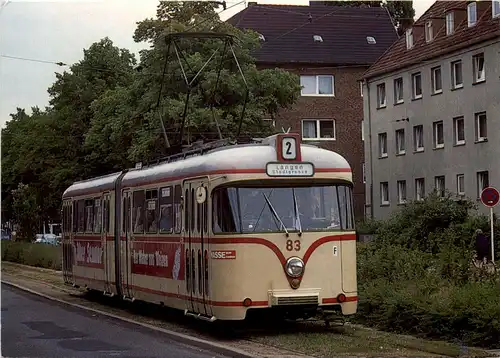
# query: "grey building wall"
{"type": "Point", "coordinates": [467, 159]}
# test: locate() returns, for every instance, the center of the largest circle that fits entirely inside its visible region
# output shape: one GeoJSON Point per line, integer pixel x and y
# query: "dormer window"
{"type": "Point", "coordinates": [371, 40]}
{"type": "Point", "coordinates": [495, 8]}
{"type": "Point", "coordinates": [450, 23]}
{"type": "Point", "coordinates": [317, 38]}
{"type": "Point", "coordinates": [471, 14]}
{"type": "Point", "coordinates": [261, 37]}
{"type": "Point", "coordinates": [409, 38]}
{"type": "Point", "coordinates": [428, 31]}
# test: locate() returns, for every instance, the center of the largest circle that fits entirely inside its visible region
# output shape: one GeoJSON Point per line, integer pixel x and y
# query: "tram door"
{"type": "Point", "coordinates": [197, 245]}
{"type": "Point", "coordinates": [126, 245]}
{"type": "Point", "coordinates": [108, 243]}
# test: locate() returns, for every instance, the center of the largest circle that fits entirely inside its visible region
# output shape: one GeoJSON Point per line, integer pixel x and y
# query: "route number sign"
{"type": "Point", "coordinates": [490, 197]}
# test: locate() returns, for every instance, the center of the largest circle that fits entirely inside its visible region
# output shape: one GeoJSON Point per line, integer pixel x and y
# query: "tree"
{"type": "Point", "coordinates": [129, 116]}
{"type": "Point", "coordinates": [26, 210]}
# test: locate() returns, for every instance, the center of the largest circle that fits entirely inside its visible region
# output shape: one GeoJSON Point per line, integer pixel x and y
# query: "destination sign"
{"type": "Point", "coordinates": [290, 170]}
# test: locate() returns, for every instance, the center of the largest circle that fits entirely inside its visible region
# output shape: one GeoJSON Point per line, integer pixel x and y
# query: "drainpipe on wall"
{"type": "Point", "coordinates": [370, 151]}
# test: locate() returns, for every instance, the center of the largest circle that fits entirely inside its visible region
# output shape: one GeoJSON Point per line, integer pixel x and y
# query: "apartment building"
{"type": "Point", "coordinates": [330, 47]}
{"type": "Point", "coordinates": [432, 108]}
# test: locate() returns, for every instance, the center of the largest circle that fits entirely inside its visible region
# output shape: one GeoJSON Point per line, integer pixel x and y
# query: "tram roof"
{"type": "Point", "coordinates": [226, 160]}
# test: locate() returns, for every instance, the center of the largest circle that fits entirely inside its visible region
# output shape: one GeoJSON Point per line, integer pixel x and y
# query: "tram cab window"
{"type": "Point", "coordinates": [318, 208]}
{"type": "Point", "coordinates": [138, 212]}
{"type": "Point", "coordinates": [166, 212]}
{"type": "Point", "coordinates": [177, 215]}
{"type": "Point", "coordinates": [80, 216]}
{"type": "Point", "coordinates": [97, 215]}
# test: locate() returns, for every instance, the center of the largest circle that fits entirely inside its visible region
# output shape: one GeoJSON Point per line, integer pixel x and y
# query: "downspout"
{"type": "Point", "coordinates": [370, 148]}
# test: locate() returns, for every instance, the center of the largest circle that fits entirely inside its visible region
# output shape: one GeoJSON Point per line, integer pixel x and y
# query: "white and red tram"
{"type": "Point", "coordinates": [239, 228]}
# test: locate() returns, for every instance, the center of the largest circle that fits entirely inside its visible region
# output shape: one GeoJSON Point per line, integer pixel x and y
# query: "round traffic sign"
{"type": "Point", "coordinates": [490, 196]}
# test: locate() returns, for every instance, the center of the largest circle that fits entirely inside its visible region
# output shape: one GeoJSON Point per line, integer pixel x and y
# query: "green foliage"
{"type": "Point", "coordinates": [417, 277]}
{"type": "Point", "coordinates": [38, 255]}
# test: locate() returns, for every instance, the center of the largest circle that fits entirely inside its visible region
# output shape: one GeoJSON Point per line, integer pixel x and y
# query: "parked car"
{"type": "Point", "coordinates": [6, 234]}
{"type": "Point", "coordinates": [49, 239]}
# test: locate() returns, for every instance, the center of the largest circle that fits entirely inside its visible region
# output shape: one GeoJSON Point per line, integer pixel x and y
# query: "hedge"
{"type": "Point", "coordinates": [38, 255]}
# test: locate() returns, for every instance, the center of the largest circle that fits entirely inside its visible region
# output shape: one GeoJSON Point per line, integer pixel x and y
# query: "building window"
{"type": "Point", "coordinates": [438, 134]}
{"type": "Point", "coordinates": [381, 99]}
{"type": "Point", "coordinates": [460, 184]}
{"type": "Point", "coordinates": [481, 127]}
{"type": "Point", "coordinates": [495, 8]}
{"type": "Point", "coordinates": [382, 145]}
{"type": "Point", "coordinates": [416, 81]}
{"type": "Point", "coordinates": [450, 23]}
{"type": "Point", "coordinates": [419, 189]}
{"type": "Point", "coordinates": [439, 185]}
{"type": "Point", "coordinates": [323, 85]}
{"type": "Point", "coordinates": [401, 191]}
{"type": "Point", "coordinates": [478, 68]}
{"type": "Point", "coordinates": [398, 90]}
{"type": "Point", "coordinates": [409, 38]}
{"type": "Point", "coordinates": [428, 31]}
{"type": "Point", "coordinates": [459, 130]}
{"type": "Point", "coordinates": [361, 88]}
{"type": "Point", "coordinates": [323, 129]}
{"type": "Point", "coordinates": [400, 141]}
{"type": "Point", "coordinates": [483, 182]}
{"type": "Point", "coordinates": [384, 193]}
{"type": "Point", "coordinates": [437, 81]}
{"type": "Point", "coordinates": [456, 74]}
{"type": "Point", "coordinates": [418, 138]}
{"type": "Point", "coordinates": [471, 14]}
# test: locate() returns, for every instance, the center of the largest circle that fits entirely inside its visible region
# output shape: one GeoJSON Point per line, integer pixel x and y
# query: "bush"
{"type": "Point", "coordinates": [38, 255]}
{"type": "Point", "coordinates": [417, 277]}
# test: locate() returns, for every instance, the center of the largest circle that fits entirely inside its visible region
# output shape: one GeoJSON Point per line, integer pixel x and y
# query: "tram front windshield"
{"type": "Point", "coordinates": [279, 209]}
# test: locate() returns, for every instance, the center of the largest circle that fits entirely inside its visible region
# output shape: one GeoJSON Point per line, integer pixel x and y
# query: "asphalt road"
{"type": "Point", "coordinates": [36, 327]}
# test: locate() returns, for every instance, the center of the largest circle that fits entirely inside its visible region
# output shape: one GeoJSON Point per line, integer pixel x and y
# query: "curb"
{"type": "Point", "coordinates": [179, 337]}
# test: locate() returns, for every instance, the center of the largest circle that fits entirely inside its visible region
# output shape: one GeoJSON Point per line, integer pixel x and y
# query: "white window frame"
{"type": "Point", "coordinates": [450, 23]}
{"type": "Point", "coordinates": [456, 121]}
{"type": "Point", "coordinates": [409, 38]}
{"type": "Point", "coordinates": [416, 146]}
{"type": "Point", "coordinates": [402, 192]}
{"type": "Point", "coordinates": [361, 88]}
{"type": "Point", "coordinates": [460, 184]}
{"type": "Point", "coordinates": [398, 90]}
{"type": "Point", "coordinates": [318, 133]}
{"type": "Point", "coordinates": [384, 189]}
{"type": "Point", "coordinates": [419, 184]}
{"type": "Point", "coordinates": [429, 34]}
{"type": "Point", "coordinates": [477, 124]}
{"type": "Point", "coordinates": [317, 94]}
{"type": "Point", "coordinates": [481, 182]}
{"type": "Point", "coordinates": [381, 152]}
{"type": "Point", "coordinates": [414, 85]}
{"type": "Point", "coordinates": [380, 103]}
{"type": "Point", "coordinates": [364, 173]}
{"type": "Point", "coordinates": [362, 130]}
{"type": "Point", "coordinates": [454, 83]}
{"type": "Point", "coordinates": [479, 76]}
{"type": "Point", "coordinates": [440, 189]}
{"type": "Point", "coordinates": [400, 144]}
{"type": "Point", "coordinates": [471, 14]}
{"type": "Point", "coordinates": [434, 88]}
{"type": "Point", "coordinates": [495, 8]}
{"type": "Point", "coordinates": [435, 134]}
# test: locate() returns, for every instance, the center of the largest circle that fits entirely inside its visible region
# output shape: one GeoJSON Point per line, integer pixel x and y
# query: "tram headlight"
{"type": "Point", "coordinates": [294, 267]}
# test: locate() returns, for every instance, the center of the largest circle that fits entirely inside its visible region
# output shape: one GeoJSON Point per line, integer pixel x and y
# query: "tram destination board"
{"type": "Point", "coordinates": [279, 169]}
{"type": "Point", "coordinates": [490, 197]}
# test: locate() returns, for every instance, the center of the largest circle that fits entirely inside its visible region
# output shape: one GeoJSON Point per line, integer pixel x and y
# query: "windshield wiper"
{"type": "Point", "coordinates": [275, 213]}
{"type": "Point", "coordinates": [296, 212]}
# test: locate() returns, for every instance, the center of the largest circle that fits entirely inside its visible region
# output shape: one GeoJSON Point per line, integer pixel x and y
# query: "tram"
{"type": "Point", "coordinates": [236, 229]}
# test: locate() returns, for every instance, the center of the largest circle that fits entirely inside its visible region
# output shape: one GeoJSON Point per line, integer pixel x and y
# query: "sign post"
{"type": "Point", "coordinates": [490, 197]}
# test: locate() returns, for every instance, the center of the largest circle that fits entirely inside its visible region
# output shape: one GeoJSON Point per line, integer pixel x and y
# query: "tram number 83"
{"type": "Point", "coordinates": [293, 245]}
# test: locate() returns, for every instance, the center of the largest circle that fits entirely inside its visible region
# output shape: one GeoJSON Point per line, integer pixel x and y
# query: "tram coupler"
{"type": "Point", "coordinates": [331, 316]}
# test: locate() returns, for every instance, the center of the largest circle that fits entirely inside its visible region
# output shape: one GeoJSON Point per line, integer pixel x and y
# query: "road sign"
{"type": "Point", "coordinates": [490, 197]}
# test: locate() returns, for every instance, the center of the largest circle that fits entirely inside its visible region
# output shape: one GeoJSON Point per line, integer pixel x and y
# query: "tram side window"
{"type": "Point", "coordinates": [152, 211]}
{"type": "Point", "coordinates": [345, 204]}
{"type": "Point", "coordinates": [106, 215]}
{"type": "Point", "coordinates": [177, 209]}
{"type": "Point", "coordinates": [222, 215]}
{"type": "Point", "coordinates": [81, 216]}
{"type": "Point", "coordinates": [97, 215]}
{"type": "Point", "coordinates": [166, 212]}
{"type": "Point", "coordinates": [138, 212]}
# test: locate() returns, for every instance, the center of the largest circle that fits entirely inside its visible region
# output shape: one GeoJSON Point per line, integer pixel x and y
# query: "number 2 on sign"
{"type": "Point", "coordinates": [293, 245]}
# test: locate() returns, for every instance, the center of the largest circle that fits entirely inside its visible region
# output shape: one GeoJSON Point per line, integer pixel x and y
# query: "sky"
{"type": "Point", "coordinates": [59, 30]}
